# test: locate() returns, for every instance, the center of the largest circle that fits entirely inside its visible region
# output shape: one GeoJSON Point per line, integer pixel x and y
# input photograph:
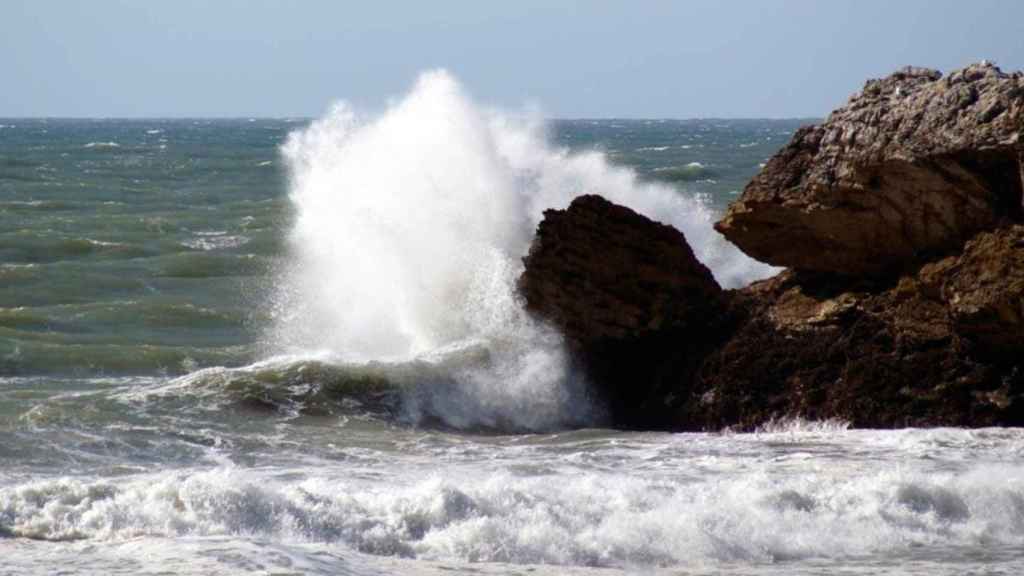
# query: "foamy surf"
{"type": "Point", "coordinates": [584, 500]}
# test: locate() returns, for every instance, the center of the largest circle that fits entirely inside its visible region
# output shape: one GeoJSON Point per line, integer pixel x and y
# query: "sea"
{"type": "Point", "coordinates": [294, 346]}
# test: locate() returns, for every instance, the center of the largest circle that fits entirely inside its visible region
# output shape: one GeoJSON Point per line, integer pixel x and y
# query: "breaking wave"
{"type": "Point", "coordinates": [588, 519]}
{"type": "Point", "coordinates": [409, 231]}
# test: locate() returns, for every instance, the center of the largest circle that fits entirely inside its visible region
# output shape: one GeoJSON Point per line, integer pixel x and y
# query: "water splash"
{"type": "Point", "coordinates": [410, 227]}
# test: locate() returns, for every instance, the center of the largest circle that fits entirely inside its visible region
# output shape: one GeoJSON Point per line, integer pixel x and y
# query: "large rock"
{"type": "Point", "coordinates": [638, 310]}
{"type": "Point", "coordinates": [909, 169]}
{"type": "Point", "coordinates": [900, 218]}
{"type": "Point", "coordinates": [667, 349]}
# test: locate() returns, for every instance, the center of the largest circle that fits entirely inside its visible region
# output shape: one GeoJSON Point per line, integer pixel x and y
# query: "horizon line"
{"type": "Point", "coordinates": [310, 118]}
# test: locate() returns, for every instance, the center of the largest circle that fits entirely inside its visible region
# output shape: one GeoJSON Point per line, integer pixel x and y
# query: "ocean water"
{"type": "Point", "coordinates": [294, 347]}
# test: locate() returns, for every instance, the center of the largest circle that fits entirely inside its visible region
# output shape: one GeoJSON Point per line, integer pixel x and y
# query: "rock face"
{"type": "Point", "coordinates": [635, 305]}
{"type": "Point", "coordinates": [941, 345]}
{"type": "Point", "coordinates": [911, 167]}
{"type": "Point", "coordinates": [984, 289]}
{"type": "Point", "coordinates": [904, 302]}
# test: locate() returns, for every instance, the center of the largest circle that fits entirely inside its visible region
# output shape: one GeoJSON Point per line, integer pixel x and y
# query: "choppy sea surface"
{"type": "Point", "coordinates": [293, 347]}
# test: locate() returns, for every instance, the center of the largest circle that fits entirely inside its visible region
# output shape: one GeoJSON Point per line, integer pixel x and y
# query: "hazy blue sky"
{"type": "Point", "coordinates": [769, 58]}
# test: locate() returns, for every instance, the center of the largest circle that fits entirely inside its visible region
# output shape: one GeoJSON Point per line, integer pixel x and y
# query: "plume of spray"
{"type": "Point", "coordinates": [409, 231]}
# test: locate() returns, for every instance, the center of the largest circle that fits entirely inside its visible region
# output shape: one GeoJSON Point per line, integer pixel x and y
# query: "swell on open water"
{"type": "Point", "coordinates": [294, 347]}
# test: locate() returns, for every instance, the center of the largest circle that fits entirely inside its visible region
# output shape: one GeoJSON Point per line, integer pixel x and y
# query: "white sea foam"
{"type": "Point", "coordinates": [102, 145]}
{"type": "Point", "coordinates": [583, 519]}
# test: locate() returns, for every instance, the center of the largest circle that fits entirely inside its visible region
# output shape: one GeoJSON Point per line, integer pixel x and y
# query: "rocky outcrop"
{"type": "Point", "coordinates": [941, 345]}
{"type": "Point", "coordinates": [911, 167]}
{"type": "Point", "coordinates": [899, 218]}
{"type": "Point", "coordinates": [637, 308]}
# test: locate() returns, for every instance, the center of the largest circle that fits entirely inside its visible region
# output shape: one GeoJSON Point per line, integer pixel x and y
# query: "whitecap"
{"type": "Point", "coordinates": [207, 241]}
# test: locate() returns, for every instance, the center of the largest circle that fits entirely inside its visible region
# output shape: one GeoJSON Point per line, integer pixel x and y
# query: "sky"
{"type": "Point", "coordinates": [569, 59]}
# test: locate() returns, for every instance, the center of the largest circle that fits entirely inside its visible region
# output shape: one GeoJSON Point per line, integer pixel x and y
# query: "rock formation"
{"type": "Point", "coordinates": [636, 307]}
{"type": "Point", "coordinates": [904, 301]}
{"type": "Point", "coordinates": [910, 168]}
{"type": "Point", "coordinates": [816, 347]}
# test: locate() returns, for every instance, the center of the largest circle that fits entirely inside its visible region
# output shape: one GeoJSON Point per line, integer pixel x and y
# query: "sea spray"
{"type": "Point", "coordinates": [407, 241]}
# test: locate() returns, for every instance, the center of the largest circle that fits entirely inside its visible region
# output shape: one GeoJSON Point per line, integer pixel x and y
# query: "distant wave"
{"type": "Point", "coordinates": [690, 172]}
{"type": "Point", "coordinates": [217, 240]}
{"type": "Point", "coordinates": [102, 145]}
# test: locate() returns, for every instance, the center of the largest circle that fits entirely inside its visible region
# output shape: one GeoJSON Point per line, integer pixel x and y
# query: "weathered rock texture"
{"type": "Point", "coordinates": [905, 301]}
{"type": "Point", "coordinates": [817, 347]}
{"type": "Point", "coordinates": [910, 168]}
{"type": "Point", "coordinates": [637, 308]}
{"type": "Point", "coordinates": [984, 289]}
{"type": "Point", "coordinates": [942, 345]}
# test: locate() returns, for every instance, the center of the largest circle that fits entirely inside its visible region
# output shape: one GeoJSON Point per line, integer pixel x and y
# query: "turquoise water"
{"type": "Point", "coordinates": [291, 347]}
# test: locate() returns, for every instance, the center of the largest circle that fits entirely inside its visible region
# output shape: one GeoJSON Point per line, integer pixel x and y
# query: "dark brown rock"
{"type": "Point", "coordinates": [910, 168]}
{"type": "Point", "coordinates": [941, 345]}
{"type": "Point", "coordinates": [817, 347]}
{"type": "Point", "coordinates": [638, 310]}
{"type": "Point", "coordinates": [900, 218]}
